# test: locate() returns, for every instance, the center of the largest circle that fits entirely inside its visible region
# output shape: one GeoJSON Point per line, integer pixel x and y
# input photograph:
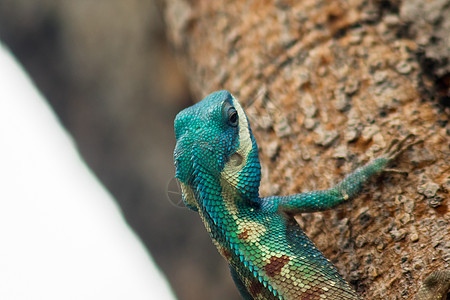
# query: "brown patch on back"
{"type": "Point", "coordinates": [276, 264]}
{"type": "Point", "coordinates": [313, 293]}
{"type": "Point", "coordinates": [255, 288]}
{"type": "Point", "coordinates": [244, 234]}
{"type": "Point", "coordinates": [225, 253]}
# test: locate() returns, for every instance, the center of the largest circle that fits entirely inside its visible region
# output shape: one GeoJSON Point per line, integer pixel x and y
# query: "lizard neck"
{"type": "Point", "coordinates": [220, 206]}
{"type": "Point", "coordinates": [220, 200]}
{"type": "Point", "coordinates": [241, 175]}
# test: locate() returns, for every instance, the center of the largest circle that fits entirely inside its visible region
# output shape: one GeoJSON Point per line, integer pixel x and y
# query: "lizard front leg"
{"type": "Point", "coordinates": [345, 190]}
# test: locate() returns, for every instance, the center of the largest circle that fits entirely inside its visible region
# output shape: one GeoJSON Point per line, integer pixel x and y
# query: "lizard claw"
{"type": "Point", "coordinates": [395, 171]}
{"type": "Point", "coordinates": [397, 146]}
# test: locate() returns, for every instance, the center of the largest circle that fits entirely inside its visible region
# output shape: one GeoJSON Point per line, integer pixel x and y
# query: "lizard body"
{"type": "Point", "coordinates": [270, 257]}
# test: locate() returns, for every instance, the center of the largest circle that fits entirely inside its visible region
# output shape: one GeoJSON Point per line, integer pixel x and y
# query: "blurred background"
{"type": "Point", "coordinates": [107, 71]}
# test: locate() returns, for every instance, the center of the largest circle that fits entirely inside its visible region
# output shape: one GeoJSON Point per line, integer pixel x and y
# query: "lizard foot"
{"type": "Point", "coordinates": [395, 171]}
{"type": "Point", "coordinates": [397, 146]}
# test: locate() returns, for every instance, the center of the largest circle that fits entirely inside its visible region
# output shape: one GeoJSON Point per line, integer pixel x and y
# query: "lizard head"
{"type": "Point", "coordinates": [215, 142]}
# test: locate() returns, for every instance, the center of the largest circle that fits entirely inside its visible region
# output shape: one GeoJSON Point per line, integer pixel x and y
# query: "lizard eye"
{"type": "Point", "coordinates": [232, 117]}
{"type": "Point", "coordinates": [230, 114]}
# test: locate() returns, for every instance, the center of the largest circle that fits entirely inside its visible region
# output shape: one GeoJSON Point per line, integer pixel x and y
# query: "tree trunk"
{"type": "Point", "coordinates": [326, 86]}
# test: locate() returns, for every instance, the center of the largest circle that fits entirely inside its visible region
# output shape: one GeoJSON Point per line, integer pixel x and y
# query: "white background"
{"type": "Point", "coordinates": [61, 234]}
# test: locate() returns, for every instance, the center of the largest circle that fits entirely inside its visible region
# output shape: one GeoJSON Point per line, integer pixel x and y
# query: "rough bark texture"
{"type": "Point", "coordinates": [326, 86]}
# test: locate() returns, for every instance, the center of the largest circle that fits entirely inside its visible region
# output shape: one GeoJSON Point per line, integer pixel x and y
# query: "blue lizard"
{"type": "Point", "coordinates": [270, 257]}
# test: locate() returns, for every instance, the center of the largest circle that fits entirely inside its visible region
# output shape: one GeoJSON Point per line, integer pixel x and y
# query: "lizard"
{"type": "Point", "coordinates": [269, 256]}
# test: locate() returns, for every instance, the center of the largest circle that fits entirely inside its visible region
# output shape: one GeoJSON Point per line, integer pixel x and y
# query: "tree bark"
{"type": "Point", "coordinates": [326, 86]}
